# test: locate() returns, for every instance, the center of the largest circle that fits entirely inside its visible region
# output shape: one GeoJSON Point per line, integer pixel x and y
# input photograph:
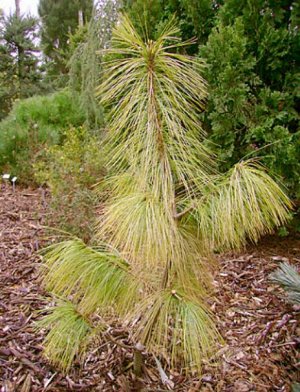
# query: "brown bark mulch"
{"type": "Point", "coordinates": [261, 331]}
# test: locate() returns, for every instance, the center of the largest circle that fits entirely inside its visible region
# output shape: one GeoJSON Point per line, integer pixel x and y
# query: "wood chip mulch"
{"type": "Point", "coordinates": [261, 331]}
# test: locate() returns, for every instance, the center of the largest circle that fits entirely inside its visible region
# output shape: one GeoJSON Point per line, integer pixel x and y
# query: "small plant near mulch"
{"type": "Point", "coordinates": [288, 278]}
{"type": "Point", "coordinates": [70, 171]}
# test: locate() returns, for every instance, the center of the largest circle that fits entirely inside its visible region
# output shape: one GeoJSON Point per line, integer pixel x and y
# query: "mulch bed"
{"type": "Point", "coordinates": [261, 330]}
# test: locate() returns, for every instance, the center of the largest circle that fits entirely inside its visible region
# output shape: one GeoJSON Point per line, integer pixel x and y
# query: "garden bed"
{"type": "Point", "coordinates": [261, 331]}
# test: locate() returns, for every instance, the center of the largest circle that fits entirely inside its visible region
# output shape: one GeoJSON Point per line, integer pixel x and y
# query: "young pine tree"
{"type": "Point", "coordinates": [165, 210]}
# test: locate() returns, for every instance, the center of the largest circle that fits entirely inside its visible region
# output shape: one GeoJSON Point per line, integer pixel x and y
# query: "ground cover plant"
{"type": "Point", "coordinates": [165, 210]}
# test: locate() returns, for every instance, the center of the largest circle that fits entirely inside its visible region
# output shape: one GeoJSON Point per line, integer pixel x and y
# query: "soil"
{"type": "Point", "coordinates": [261, 331]}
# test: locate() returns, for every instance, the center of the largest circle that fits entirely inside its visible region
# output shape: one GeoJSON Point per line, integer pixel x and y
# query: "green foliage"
{"type": "Point", "coordinates": [86, 61]}
{"type": "Point", "coordinates": [252, 74]}
{"type": "Point", "coordinates": [199, 17]}
{"type": "Point", "coordinates": [251, 49]}
{"type": "Point", "coordinates": [20, 74]}
{"type": "Point", "coordinates": [283, 231]}
{"type": "Point", "coordinates": [296, 387]}
{"type": "Point", "coordinates": [288, 278]}
{"type": "Point", "coordinates": [70, 170]}
{"type": "Point", "coordinates": [230, 74]}
{"type": "Point", "coordinates": [195, 18]}
{"type": "Point", "coordinates": [146, 15]}
{"type": "Point", "coordinates": [32, 124]}
{"type": "Point", "coordinates": [59, 20]}
{"type": "Point", "coordinates": [165, 206]}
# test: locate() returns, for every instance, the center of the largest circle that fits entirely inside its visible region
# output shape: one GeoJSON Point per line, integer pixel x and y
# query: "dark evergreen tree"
{"type": "Point", "coordinates": [20, 75]}
{"type": "Point", "coordinates": [252, 52]}
{"type": "Point", "coordinates": [253, 76]}
{"type": "Point", "coordinates": [60, 19]}
{"type": "Point", "coordinates": [7, 80]}
{"type": "Point", "coordinates": [195, 18]}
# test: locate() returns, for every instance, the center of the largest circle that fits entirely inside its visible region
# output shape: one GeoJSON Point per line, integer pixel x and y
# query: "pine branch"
{"type": "Point", "coordinates": [244, 204]}
{"type": "Point", "coordinates": [68, 334]}
{"type": "Point", "coordinates": [93, 277]}
{"type": "Point", "coordinates": [176, 323]}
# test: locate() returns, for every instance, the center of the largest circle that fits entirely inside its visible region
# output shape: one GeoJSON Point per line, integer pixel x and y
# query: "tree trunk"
{"type": "Point", "coordinates": [18, 11]}
{"type": "Point", "coordinates": [80, 18]}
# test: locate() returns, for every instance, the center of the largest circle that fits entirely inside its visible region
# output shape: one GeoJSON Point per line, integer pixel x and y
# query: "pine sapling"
{"type": "Point", "coordinates": [165, 210]}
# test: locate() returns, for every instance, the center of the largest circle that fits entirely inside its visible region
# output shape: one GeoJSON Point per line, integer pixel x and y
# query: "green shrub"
{"type": "Point", "coordinates": [70, 170]}
{"type": "Point", "coordinates": [252, 107]}
{"type": "Point", "coordinates": [33, 124]}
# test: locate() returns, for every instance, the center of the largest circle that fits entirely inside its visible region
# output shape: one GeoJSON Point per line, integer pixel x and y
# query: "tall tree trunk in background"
{"type": "Point", "coordinates": [20, 50]}
{"type": "Point", "coordinates": [80, 18]}
{"type": "Point", "coordinates": [18, 12]}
